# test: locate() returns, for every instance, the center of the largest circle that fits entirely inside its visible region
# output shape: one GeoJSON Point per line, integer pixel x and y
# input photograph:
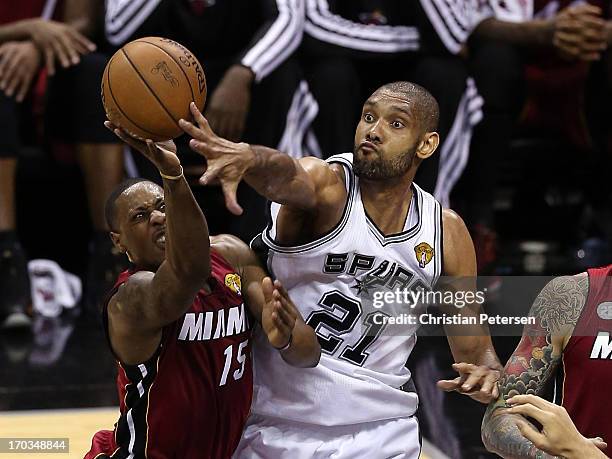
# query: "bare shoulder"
{"type": "Point", "coordinates": [232, 248]}
{"type": "Point", "coordinates": [560, 303]}
{"type": "Point", "coordinates": [459, 255]}
{"type": "Point", "coordinates": [127, 303]}
{"type": "Point", "coordinates": [323, 173]}
{"type": "Point", "coordinates": [454, 226]}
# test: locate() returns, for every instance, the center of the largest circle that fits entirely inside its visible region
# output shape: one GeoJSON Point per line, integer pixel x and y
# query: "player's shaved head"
{"type": "Point", "coordinates": [110, 209]}
{"type": "Point", "coordinates": [424, 105]}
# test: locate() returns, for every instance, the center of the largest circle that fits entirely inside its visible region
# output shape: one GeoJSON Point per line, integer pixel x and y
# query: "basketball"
{"type": "Point", "coordinates": [147, 87]}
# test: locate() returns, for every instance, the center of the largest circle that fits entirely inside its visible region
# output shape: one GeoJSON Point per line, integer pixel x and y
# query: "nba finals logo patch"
{"type": "Point", "coordinates": [424, 253]}
{"type": "Point", "coordinates": [232, 281]}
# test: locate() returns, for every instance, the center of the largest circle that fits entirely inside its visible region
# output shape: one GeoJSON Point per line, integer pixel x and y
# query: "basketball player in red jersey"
{"type": "Point", "coordinates": [177, 324]}
{"type": "Point", "coordinates": [572, 341]}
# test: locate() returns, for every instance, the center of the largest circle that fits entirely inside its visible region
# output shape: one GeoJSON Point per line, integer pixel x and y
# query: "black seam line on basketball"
{"type": "Point", "coordinates": [150, 89]}
{"type": "Point", "coordinates": [177, 63]}
{"type": "Point", "coordinates": [110, 90]}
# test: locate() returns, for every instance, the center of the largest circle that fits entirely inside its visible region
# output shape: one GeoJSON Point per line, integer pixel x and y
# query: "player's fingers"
{"type": "Point", "coordinates": [199, 118]}
{"type": "Point", "coordinates": [229, 192]}
{"type": "Point", "coordinates": [69, 49]}
{"type": "Point", "coordinates": [463, 367]}
{"type": "Point", "coordinates": [531, 434]}
{"type": "Point", "coordinates": [474, 379]}
{"type": "Point", "coordinates": [25, 86]}
{"type": "Point", "coordinates": [285, 314]}
{"type": "Point", "coordinates": [11, 66]}
{"type": "Point", "coordinates": [531, 411]}
{"type": "Point", "coordinates": [60, 53]}
{"type": "Point", "coordinates": [131, 141]}
{"type": "Point", "coordinates": [81, 41]}
{"type": "Point", "coordinates": [599, 442]}
{"type": "Point", "coordinates": [449, 385]}
{"type": "Point", "coordinates": [488, 384]}
{"type": "Point", "coordinates": [5, 58]}
{"type": "Point", "coordinates": [281, 326]}
{"type": "Point", "coordinates": [49, 60]}
{"type": "Point", "coordinates": [267, 288]}
{"type": "Point", "coordinates": [282, 290]}
{"type": "Point", "coordinates": [14, 82]}
{"type": "Point", "coordinates": [584, 8]}
{"type": "Point", "coordinates": [532, 399]}
{"type": "Point", "coordinates": [191, 130]}
{"type": "Point", "coordinates": [289, 307]}
{"type": "Point", "coordinates": [495, 392]}
{"type": "Point", "coordinates": [210, 175]}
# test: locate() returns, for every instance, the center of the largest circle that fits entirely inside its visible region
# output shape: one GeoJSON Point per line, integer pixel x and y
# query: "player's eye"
{"type": "Point", "coordinates": [368, 117]}
{"type": "Point", "coordinates": [397, 124]}
{"type": "Point", "coordinates": [139, 216]}
{"type": "Point", "coordinates": [162, 207]}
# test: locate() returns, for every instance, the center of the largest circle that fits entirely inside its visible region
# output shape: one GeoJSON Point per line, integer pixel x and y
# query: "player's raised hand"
{"type": "Point", "coordinates": [478, 382]}
{"type": "Point", "coordinates": [227, 161]}
{"type": "Point", "coordinates": [279, 314]}
{"type": "Point", "coordinates": [558, 436]}
{"type": "Point", "coordinates": [19, 64]}
{"type": "Point", "coordinates": [161, 154]}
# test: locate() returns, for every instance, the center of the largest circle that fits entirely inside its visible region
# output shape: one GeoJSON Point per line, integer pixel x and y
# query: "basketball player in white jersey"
{"type": "Point", "coordinates": [341, 229]}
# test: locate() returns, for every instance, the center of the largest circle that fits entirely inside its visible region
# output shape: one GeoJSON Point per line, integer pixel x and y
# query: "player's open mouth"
{"type": "Point", "coordinates": [160, 239]}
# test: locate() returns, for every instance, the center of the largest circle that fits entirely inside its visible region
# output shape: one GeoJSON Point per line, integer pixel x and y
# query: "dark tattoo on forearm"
{"type": "Point", "coordinates": [533, 363]}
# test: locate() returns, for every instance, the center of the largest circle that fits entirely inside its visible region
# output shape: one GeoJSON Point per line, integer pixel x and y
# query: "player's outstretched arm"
{"type": "Point", "coordinates": [269, 302]}
{"type": "Point", "coordinates": [477, 362]}
{"type": "Point", "coordinates": [302, 184]}
{"type": "Point", "coordinates": [150, 300]}
{"type": "Point", "coordinates": [556, 310]}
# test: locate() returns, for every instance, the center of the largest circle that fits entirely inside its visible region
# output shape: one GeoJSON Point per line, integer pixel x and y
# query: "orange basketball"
{"type": "Point", "coordinates": [147, 87]}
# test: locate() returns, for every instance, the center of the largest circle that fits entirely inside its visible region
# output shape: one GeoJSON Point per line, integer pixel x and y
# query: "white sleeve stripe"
{"type": "Point", "coordinates": [49, 9]}
{"type": "Point", "coordinates": [119, 12]}
{"type": "Point", "coordinates": [451, 42]}
{"type": "Point", "coordinates": [452, 21]}
{"type": "Point", "coordinates": [318, 13]}
{"type": "Point", "coordinates": [284, 31]}
{"type": "Point", "coordinates": [120, 28]}
{"type": "Point", "coordinates": [267, 64]}
{"type": "Point", "coordinates": [359, 44]}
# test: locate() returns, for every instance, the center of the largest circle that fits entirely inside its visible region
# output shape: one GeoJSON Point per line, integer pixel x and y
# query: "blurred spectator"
{"type": "Point", "coordinates": [353, 47]}
{"type": "Point", "coordinates": [29, 39]}
{"type": "Point", "coordinates": [75, 116]}
{"type": "Point", "coordinates": [255, 92]}
{"type": "Point", "coordinates": [541, 51]}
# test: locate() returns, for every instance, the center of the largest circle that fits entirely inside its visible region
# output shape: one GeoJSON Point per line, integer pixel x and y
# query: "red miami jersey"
{"type": "Point", "coordinates": [190, 400]}
{"type": "Point", "coordinates": [583, 387]}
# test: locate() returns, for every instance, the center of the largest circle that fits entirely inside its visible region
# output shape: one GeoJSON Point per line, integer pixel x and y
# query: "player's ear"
{"type": "Point", "coordinates": [115, 238]}
{"type": "Point", "coordinates": [428, 145]}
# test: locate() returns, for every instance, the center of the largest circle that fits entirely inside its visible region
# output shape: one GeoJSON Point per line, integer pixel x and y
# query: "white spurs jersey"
{"type": "Point", "coordinates": [332, 281]}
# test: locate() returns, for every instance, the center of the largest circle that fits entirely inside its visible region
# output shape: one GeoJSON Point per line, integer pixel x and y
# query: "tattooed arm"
{"type": "Point", "coordinates": [556, 311]}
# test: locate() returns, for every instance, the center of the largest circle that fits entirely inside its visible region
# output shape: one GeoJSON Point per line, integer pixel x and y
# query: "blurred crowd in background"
{"type": "Point", "coordinates": [524, 87]}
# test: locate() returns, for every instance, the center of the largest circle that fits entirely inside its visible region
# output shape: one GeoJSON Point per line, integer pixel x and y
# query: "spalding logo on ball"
{"type": "Point", "coordinates": [147, 87]}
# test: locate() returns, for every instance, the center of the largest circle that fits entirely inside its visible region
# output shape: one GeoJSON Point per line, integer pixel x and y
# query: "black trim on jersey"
{"type": "Point", "coordinates": [402, 236]}
{"type": "Point", "coordinates": [131, 431]}
{"type": "Point", "coordinates": [288, 249]}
